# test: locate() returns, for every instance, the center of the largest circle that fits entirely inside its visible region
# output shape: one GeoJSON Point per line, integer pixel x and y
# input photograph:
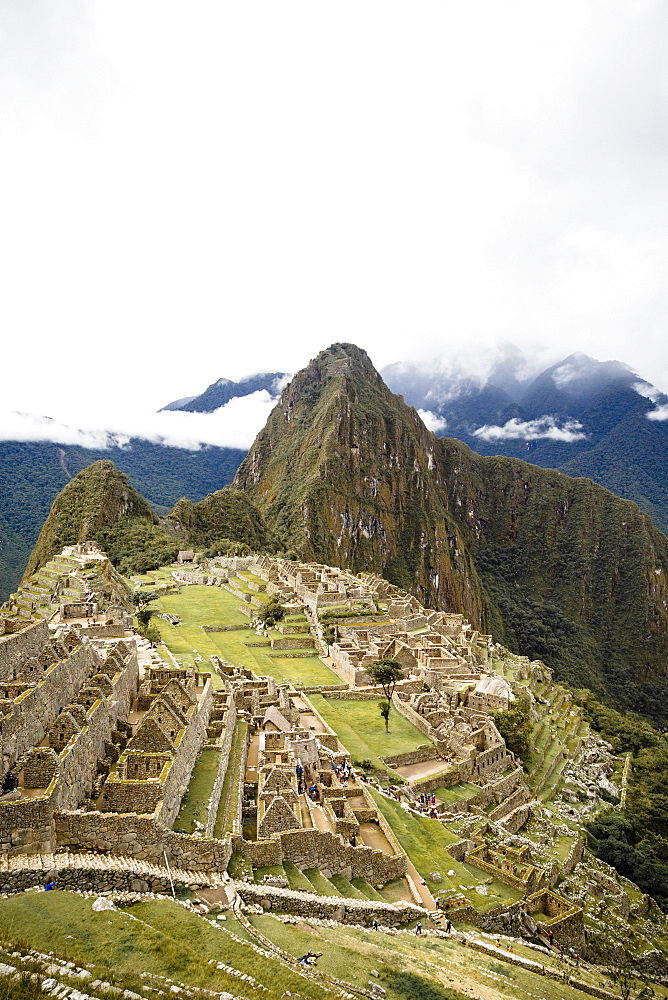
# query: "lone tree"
{"type": "Point", "coordinates": [384, 708]}
{"type": "Point", "coordinates": [272, 613]}
{"type": "Point", "coordinates": [386, 673]}
{"type": "Point", "coordinates": [140, 598]}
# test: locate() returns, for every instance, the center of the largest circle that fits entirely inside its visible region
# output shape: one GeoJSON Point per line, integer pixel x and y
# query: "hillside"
{"type": "Point", "coordinates": [100, 503]}
{"type": "Point", "coordinates": [557, 567]}
{"type": "Point", "coordinates": [225, 514]}
{"type": "Point", "coordinates": [33, 472]}
{"type": "Point", "coordinates": [581, 416]}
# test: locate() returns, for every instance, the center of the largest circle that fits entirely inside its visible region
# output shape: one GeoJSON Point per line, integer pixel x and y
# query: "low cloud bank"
{"type": "Point", "coordinates": [234, 425]}
{"type": "Point", "coordinates": [432, 421]}
{"type": "Point", "coordinates": [543, 428]}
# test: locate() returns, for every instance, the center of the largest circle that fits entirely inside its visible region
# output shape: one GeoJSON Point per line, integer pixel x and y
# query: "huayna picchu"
{"type": "Point", "coordinates": [556, 567]}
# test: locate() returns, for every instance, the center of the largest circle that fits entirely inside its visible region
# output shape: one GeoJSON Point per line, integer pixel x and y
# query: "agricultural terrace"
{"type": "Point", "coordinates": [197, 606]}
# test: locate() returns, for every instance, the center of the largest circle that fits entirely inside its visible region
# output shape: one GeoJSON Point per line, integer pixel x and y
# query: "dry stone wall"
{"type": "Point", "coordinates": [344, 911]}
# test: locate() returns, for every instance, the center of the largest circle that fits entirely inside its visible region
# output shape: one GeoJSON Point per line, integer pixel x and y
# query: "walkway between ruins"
{"type": "Point", "coordinates": [415, 772]}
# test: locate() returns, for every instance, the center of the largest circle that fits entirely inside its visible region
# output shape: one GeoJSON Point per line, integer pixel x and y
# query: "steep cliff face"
{"type": "Point", "coordinates": [557, 567]}
{"type": "Point", "coordinates": [343, 472]}
{"type": "Point", "coordinates": [576, 575]}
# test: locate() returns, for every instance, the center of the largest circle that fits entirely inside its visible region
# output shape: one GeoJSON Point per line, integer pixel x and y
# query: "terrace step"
{"type": "Point", "coordinates": [367, 889]}
{"type": "Point", "coordinates": [320, 884]}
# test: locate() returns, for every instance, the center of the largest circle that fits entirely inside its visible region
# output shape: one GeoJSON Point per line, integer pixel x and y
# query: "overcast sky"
{"type": "Point", "coordinates": [205, 189]}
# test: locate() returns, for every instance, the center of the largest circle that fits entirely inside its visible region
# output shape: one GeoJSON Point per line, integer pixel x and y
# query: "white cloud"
{"type": "Point", "coordinates": [648, 391]}
{"type": "Point", "coordinates": [564, 374]}
{"type": "Point", "coordinates": [185, 198]}
{"type": "Point", "coordinates": [234, 425]}
{"type": "Point", "coordinates": [661, 413]}
{"type": "Point", "coordinates": [543, 428]}
{"type": "Point", "coordinates": [432, 421]}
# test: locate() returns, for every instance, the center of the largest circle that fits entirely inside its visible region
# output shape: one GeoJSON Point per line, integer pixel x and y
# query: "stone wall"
{"type": "Point", "coordinates": [345, 911]}
{"type": "Point", "coordinates": [325, 851]}
{"type": "Point", "coordinates": [35, 711]}
{"type": "Point", "coordinates": [18, 646]}
{"type": "Point", "coordinates": [418, 756]}
{"type": "Point", "coordinates": [141, 837]}
{"type": "Point", "coordinates": [185, 755]}
{"type": "Point", "coordinates": [225, 745]}
{"type": "Point", "coordinates": [26, 825]}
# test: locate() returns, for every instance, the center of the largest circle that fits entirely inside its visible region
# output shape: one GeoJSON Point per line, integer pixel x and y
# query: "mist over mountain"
{"type": "Point", "coordinates": [221, 392]}
{"type": "Point", "coordinates": [581, 416]}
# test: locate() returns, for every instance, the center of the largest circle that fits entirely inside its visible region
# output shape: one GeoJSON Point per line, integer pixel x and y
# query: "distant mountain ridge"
{"type": "Point", "coordinates": [221, 392]}
{"type": "Point", "coordinates": [580, 416]}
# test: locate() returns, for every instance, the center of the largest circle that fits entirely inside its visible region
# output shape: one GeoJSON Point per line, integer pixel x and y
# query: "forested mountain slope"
{"type": "Point", "coordinates": [560, 568]}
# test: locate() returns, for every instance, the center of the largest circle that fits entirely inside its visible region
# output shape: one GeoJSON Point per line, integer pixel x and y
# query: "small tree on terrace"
{"type": "Point", "coordinates": [386, 673]}
{"type": "Point", "coordinates": [384, 707]}
{"type": "Point", "coordinates": [272, 613]}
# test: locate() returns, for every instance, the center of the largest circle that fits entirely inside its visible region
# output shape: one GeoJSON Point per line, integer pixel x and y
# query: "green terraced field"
{"type": "Point", "coordinates": [197, 606]}
{"type": "Point", "coordinates": [359, 726]}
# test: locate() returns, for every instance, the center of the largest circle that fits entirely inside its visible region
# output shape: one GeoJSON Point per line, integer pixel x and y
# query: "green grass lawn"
{"type": "Point", "coordinates": [194, 805]}
{"type": "Point", "coordinates": [197, 606]}
{"type": "Point", "coordinates": [214, 942]}
{"type": "Point", "coordinates": [361, 729]}
{"type": "Point", "coordinates": [426, 843]}
{"type": "Point", "coordinates": [457, 793]}
{"type": "Point", "coordinates": [229, 796]}
{"type": "Point", "coordinates": [67, 925]}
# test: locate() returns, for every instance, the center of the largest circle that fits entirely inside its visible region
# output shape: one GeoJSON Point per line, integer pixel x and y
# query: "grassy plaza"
{"type": "Point", "coordinates": [198, 605]}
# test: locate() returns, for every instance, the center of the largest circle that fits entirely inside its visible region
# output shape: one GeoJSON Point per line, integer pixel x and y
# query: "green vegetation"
{"type": "Point", "coordinates": [194, 805]}
{"type": "Point", "coordinates": [197, 606]}
{"type": "Point", "coordinates": [32, 473]}
{"type": "Point", "coordinates": [386, 673]}
{"type": "Point", "coordinates": [99, 503]}
{"type": "Point", "coordinates": [634, 841]}
{"type": "Point", "coordinates": [360, 728]}
{"type": "Point", "coordinates": [272, 613]}
{"type": "Point", "coordinates": [515, 726]}
{"type": "Point", "coordinates": [226, 515]}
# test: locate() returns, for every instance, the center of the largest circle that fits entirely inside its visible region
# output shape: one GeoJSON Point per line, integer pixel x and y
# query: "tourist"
{"type": "Point", "coordinates": [448, 928]}
{"type": "Point", "coordinates": [374, 924]}
{"type": "Point", "coordinates": [418, 927]}
{"type": "Point", "coordinates": [550, 937]}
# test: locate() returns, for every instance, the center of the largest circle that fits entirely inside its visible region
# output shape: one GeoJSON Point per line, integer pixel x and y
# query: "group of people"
{"type": "Point", "coordinates": [343, 771]}
{"type": "Point", "coordinates": [426, 804]}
